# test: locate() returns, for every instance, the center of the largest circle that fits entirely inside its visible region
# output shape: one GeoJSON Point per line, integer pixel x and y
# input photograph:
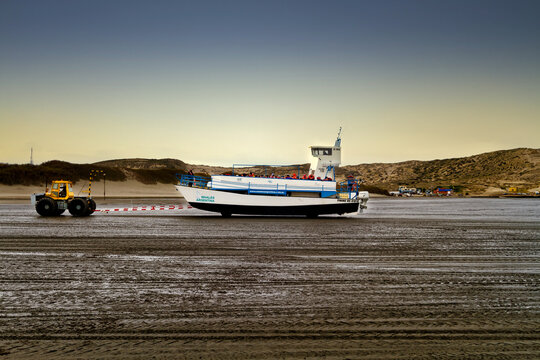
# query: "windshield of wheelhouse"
{"type": "Point", "coordinates": [321, 151]}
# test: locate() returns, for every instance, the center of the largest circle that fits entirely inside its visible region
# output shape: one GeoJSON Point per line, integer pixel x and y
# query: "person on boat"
{"type": "Point", "coordinates": [311, 177]}
{"type": "Point", "coordinates": [318, 178]}
{"type": "Point", "coordinates": [190, 173]}
{"type": "Point", "coordinates": [294, 176]}
{"type": "Point", "coordinates": [304, 177]}
{"type": "Point", "coordinates": [350, 182]}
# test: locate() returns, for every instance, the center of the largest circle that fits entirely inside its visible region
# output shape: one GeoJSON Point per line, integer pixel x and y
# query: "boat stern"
{"type": "Point", "coordinates": [363, 197]}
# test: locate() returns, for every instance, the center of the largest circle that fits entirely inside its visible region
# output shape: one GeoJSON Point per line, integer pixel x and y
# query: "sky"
{"type": "Point", "coordinates": [223, 82]}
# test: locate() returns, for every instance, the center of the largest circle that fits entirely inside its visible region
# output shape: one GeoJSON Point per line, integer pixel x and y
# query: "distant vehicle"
{"type": "Point", "coordinates": [405, 191]}
{"type": "Point", "coordinates": [61, 198]}
{"type": "Point", "coordinates": [442, 191]}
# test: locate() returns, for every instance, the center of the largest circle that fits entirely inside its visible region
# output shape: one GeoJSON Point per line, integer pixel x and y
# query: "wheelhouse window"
{"type": "Point", "coordinates": [321, 151]}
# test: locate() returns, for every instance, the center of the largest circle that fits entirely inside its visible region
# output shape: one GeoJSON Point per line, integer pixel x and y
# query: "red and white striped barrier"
{"type": "Point", "coordinates": [145, 208]}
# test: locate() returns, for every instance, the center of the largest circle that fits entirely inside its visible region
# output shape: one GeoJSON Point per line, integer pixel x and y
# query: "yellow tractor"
{"type": "Point", "coordinates": [61, 198]}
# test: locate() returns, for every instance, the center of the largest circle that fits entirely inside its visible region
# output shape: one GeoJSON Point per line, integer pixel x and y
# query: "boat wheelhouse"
{"type": "Point", "coordinates": [261, 192]}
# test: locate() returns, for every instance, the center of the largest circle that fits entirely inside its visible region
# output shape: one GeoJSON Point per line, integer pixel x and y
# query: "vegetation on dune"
{"type": "Point", "coordinates": [138, 163]}
{"type": "Point", "coordinates": [13, 174]}
{"type": "Point", "coordinates": [39, 174]}
{"type": "Point", "coordinates": [496, 169]}
{"type": "Point", "coordinates": [151, 177]}
{"type": "Point", "coordinates": [374, 189]}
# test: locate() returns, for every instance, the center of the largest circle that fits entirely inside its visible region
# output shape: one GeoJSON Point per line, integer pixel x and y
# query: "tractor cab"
{"type": "Point", "coordinates": [61, 190]}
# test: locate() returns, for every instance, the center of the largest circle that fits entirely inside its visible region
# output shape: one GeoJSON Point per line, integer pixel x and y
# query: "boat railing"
{"type": "Point", "coordinates": [276, 177]}
{"type": "Point", "coordinates": [193, 181]}
{"type": "Point", "coordinates": [348, 189]}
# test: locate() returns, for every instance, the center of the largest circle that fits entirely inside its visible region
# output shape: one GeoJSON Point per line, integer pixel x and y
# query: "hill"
{"type": "Point", "coordinates": [498, 169]}
{"type": "Point", "coordinates": [477, 174]}
{"type": "Point", "coordinates": [146, 171]}
{"type": "Point", "coordinates": [26, 174]}
{"type": "Point", "coordinates": [148, 164]}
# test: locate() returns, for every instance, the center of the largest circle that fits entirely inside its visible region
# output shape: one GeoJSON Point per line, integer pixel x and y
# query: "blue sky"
{"type": "Point", "coordinates": [219, 82]}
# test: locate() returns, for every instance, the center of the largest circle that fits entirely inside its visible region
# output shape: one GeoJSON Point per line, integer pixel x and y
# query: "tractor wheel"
{"type": "Point", "coordinates": [78, 207]}
{"type": "Point", "coordinates": [91, 206]}
{"type": "Point", "coordinates": [59, 212]}
{"type": "Point", "coordinates": [46, 207]}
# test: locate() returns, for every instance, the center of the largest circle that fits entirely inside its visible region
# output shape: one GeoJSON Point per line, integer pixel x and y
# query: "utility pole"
{"type": "Point", "coordinates": [31, 156]}
{"type": "Point", "coordinates": [94, 174]}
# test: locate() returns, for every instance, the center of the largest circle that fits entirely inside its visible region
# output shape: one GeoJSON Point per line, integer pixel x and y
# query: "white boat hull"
{"type": "Point", "coordinates": [228, 203]}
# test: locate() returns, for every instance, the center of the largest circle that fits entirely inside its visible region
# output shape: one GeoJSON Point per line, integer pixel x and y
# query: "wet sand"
{"type": "Point", "coordinates": [426, 278]}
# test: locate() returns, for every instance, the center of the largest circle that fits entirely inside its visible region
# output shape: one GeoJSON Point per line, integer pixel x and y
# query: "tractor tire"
{"type": "Point", "coordinates": [59, 212]}
{"type": "Point", "coordinates": [46, 207]}
{"type": "Point", "coordinates": [78, 207]}
{"type": "Point", "coordinates": [91, 206]}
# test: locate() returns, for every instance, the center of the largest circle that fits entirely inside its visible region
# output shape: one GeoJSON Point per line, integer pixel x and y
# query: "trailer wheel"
{"type": "Point", "coordinates": [46, 207]}
{"type": "Point", "coordinates": [78, 207]}
{"type": "Point", "coordinates": [91, 206]}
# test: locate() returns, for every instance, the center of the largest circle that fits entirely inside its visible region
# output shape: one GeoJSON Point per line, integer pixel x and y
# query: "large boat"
{"type": "Point", "coordinates": [262, 193]}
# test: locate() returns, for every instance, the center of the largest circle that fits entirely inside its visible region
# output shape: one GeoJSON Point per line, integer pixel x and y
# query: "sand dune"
{"type": "Point", "coordinates": [122, 189]}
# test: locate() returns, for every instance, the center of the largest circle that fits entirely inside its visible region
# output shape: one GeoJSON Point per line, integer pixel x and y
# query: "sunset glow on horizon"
{"type": "Point", "coordinates": [222, 82]}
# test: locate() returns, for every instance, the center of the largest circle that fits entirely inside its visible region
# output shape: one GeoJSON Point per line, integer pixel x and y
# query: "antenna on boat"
{"type": "Point", "coordinates": [338, 140]}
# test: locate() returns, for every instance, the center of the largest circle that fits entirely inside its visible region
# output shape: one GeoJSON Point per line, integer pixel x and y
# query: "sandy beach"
{"type": "Point", "coordinates": [415, 279]}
